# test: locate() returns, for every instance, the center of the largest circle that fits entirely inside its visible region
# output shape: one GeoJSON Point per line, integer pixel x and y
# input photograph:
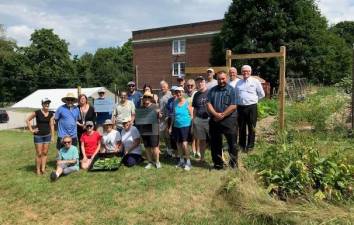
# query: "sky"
{"type": "Point", "coordinates": [90, 24]}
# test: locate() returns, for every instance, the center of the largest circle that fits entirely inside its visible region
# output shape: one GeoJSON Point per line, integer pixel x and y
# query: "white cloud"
{"type": "Point", "coordinates": [91, 24]}
{"type": "Point", "coordinates": [21, 34]}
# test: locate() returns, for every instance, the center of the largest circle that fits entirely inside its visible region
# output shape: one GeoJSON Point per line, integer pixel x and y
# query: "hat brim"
{"type": "Point", "coordinates": [65, 99]}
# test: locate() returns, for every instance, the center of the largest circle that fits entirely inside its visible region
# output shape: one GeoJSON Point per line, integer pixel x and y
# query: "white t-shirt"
{"type": "Point", "coordinates": [128, 138]}
{"type": "Point", "coordinates": [233, 82]}
{"type": "Point", "coordinates": [110, 139]}
{"type": "Point", "coordinates": [211, 84]}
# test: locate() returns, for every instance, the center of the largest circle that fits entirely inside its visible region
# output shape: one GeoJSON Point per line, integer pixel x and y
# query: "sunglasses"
{"type": "Point", "coordinates": [131, 85]}
{"type": "Point", "coordinates": [69, 100]}
{"type": "Point", "coordinates": [190, 85]}
{"type": "Point", "coordinates": [89, 126]}
{"type": "Point", "coordinates": [123, 96]}
{"type": "Point", "coordinates": [66, 142]}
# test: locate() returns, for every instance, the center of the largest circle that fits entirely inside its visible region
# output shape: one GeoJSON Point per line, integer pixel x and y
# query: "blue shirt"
{"type": "Point", "coordinates": [67, 118]}
{"type": "Point", "coordinates": [222, 97]}
{"type": "Point", "coordinates": [249, 91]}
{"type": "Point", "coordinates": [69, 154]}
{"type": "Point", "coordinates": [182, 117]}
{"type": "Point", "coordinates": [136, 98]}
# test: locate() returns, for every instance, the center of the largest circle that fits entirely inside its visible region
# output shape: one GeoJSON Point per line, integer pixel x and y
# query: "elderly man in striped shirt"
{"type": "Point", "coordinates": [221, 105]}
{"type": "Point", "coordinates": [248, 92]}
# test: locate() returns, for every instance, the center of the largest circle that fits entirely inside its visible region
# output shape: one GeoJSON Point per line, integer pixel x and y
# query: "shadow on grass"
{"type": "Point", "coordinates": [32, 167]}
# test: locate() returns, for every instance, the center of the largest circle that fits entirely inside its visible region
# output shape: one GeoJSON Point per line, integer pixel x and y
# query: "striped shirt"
{"type": "Point", "coordinates": [248, 91]}
{"type": "Point", "coordinates": [222, 97]}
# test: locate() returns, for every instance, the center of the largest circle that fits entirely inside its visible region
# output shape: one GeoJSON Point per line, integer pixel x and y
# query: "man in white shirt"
{"type": "Point", "coordinates": [125, 109]}
{"type": "Point", "coordinates": [210, 81]}
{"type": "Point", "coordinates": [233, 79]}
{"type": "Point", "coordinates": [248, 92]}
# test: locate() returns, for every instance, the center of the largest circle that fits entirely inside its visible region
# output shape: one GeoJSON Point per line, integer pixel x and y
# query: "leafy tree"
{"type": "Point", "coordinates": [252, 26]}
{"type": "Point", "coordinates": [112, 66]}
{"type": "Point", "coordinates": [50, 60]}
{"type": "Point", "coordinates": [83, 69]}
{"type": "Point", "coordinates": [345, 30]}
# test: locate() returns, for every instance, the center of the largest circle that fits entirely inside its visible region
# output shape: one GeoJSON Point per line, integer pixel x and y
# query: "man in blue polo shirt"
{"type": "Point", "coordinates": [66, 117]}
{"type": "Point", "coordinates": [221, 105]}
{"type": "Point", "coordinates": [134, 95]}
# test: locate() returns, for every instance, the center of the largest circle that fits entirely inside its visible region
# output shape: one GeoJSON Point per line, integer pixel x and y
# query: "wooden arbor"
{"type": "Point", "coordinates": [281, 55]}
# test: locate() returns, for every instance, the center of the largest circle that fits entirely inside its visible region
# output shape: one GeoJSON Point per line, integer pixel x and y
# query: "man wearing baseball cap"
{"type": "Point", "coordinates": [134, 95]}
{"type": "Point", "coordinates": [210, 81]}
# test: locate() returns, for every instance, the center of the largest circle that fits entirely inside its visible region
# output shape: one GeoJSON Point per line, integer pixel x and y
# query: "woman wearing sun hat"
{"type": "Point", "coordinates": [111, 139]}
{"type": "Point", "coordinates": [67, 117]}
{"type": "Point", "coordinates": [43, 133]}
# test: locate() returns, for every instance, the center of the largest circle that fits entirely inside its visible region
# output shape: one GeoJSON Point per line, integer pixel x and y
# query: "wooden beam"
{"type": "Point", "coordinates": [282, 88]}
{"type": "Point", "coordinates": [228, 59]}
{"type": "Point", "coordinates": [257, 55]}
{"type": "Point", "coordinates": [196, 70]}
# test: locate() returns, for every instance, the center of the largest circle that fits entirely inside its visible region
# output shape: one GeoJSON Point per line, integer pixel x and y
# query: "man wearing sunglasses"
{"type": "Point", "coordinates": [67, 117]}
{"type": "Point", "coordinates": [134, 95]}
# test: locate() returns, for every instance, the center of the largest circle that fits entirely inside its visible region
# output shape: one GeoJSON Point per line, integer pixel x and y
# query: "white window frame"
{"type": "Point", "coordinates": [178, 43]}
{"type": "Point", "coordinates": [179, 69]}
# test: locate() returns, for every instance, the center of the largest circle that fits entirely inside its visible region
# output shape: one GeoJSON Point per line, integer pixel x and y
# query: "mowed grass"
{"type": "Point", "coordinates": [127, 196]}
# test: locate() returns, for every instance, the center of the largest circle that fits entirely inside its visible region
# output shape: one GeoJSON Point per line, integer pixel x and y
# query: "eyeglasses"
{"type": "Point", "coordinates": [66, 142]}
{"type": "Point", "coordinates": [89, 126]}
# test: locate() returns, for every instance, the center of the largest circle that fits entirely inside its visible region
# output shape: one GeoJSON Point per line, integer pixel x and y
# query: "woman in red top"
{"type": "Point", "coordinates": [90, 145]}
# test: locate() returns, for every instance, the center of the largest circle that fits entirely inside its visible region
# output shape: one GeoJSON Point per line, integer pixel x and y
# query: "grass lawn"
{"type": "Point", "coordinates": [127, 196]}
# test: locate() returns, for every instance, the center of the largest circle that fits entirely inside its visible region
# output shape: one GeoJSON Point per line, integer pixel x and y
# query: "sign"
{"type": "Point", "coordinates": [104, 105]}
{"type": "Point", "coordinates": [146, 121]}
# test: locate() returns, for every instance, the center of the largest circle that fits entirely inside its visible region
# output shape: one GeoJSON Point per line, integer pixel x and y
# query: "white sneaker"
{"type": "Point", "coordinates": [148, 166]}
{"type": "Point", "coordinates": [158, 165]}
{"type": "Point", "coordinates": [187, 167]}
{"type": "Point", "coordinates": [180, 164]}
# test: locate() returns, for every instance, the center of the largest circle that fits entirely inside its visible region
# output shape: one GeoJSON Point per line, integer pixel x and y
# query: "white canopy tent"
{"type": "Point", "coordinates": [33, 101]}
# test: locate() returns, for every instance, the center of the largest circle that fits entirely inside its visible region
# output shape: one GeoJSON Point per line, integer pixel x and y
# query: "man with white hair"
{"type": "Point", "coordinates": [248, 92]}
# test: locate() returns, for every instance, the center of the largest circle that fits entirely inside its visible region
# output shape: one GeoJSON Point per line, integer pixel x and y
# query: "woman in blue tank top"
{"type": "Point", "coordinates": [181, 126]}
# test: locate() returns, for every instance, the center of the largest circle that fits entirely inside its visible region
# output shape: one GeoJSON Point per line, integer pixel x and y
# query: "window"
{"type": "Point", "coordinates": [178, 46]}
{"type": "Point", "coordinates": [178, 68]}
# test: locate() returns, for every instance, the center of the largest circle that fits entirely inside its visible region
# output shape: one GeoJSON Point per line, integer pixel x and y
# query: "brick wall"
{"type": "Point", "coordinates": [154, 59]}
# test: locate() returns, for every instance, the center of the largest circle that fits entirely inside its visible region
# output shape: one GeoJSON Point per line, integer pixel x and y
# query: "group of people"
{"type": "Point", "coordinates": [189, 116]}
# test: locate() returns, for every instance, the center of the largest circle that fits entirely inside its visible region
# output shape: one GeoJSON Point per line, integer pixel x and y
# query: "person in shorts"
{"type": "Point", "coordinates": [67, 161]}
{"type": "Point", "coordinates": [201, 117]}
{"type": "Point", "coordinates": [43, 134]}
{"type": "Point", "coordinates": [181, 127]}
{"type": "Point", "coordinates": [151, 142]}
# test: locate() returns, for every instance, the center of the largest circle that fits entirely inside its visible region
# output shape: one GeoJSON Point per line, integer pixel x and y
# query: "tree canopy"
{"type": "Point", "coordinates": [252, 26]}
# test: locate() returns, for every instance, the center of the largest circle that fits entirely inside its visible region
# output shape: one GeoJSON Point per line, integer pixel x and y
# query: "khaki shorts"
{"type": "Point", "coordinates": [200, 128]}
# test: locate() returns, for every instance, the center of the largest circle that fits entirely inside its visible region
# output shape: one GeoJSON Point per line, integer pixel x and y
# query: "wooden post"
{"type": "Point", "coordinates": [78, 91]}
{"type": "Point", "coordinates": [137, 76]}
{"type": "Point", "coordinates": [228, 59]}
{"type": "Point", "coordinates": [282, 88]}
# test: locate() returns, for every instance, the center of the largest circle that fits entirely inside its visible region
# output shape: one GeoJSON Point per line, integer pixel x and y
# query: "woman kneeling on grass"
{"type": "Point", "coordinates": [67, 161]}
{"type": "Point", "coordinates": [111, 139]}
{"type": "Point", "coordinates": [131, 144]}
{"type": "Point", "coordinates": [43, 134]}
{"type": "Point", "coordinates": [90, 145]}
{"type": "Point", "coordinates": [181, 127]}
{"type": "Point", "coordinates": [151, 142]}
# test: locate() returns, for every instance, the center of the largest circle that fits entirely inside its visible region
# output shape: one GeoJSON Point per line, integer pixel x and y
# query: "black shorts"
{"type": "Point", "coordinates": [150, 141]}
{"type": "Point", "coordinates": [181, 134]}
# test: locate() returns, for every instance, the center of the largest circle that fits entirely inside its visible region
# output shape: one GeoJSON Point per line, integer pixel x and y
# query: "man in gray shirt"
{"type": "Point", "coordinates": [164, 96]}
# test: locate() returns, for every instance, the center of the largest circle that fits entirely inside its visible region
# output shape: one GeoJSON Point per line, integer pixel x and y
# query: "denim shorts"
{"type": "Point", "coordinates": [42, 139]}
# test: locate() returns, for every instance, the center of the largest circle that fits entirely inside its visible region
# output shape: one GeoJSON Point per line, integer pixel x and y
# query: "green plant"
{"type": "Point", "coordinates": [267, 107]}
{"type": "Point", "coordinates": [293, 170]}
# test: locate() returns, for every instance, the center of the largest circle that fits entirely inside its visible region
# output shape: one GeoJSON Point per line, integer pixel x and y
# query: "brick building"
{"type": "Point", "coordinates": [163, 53]}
